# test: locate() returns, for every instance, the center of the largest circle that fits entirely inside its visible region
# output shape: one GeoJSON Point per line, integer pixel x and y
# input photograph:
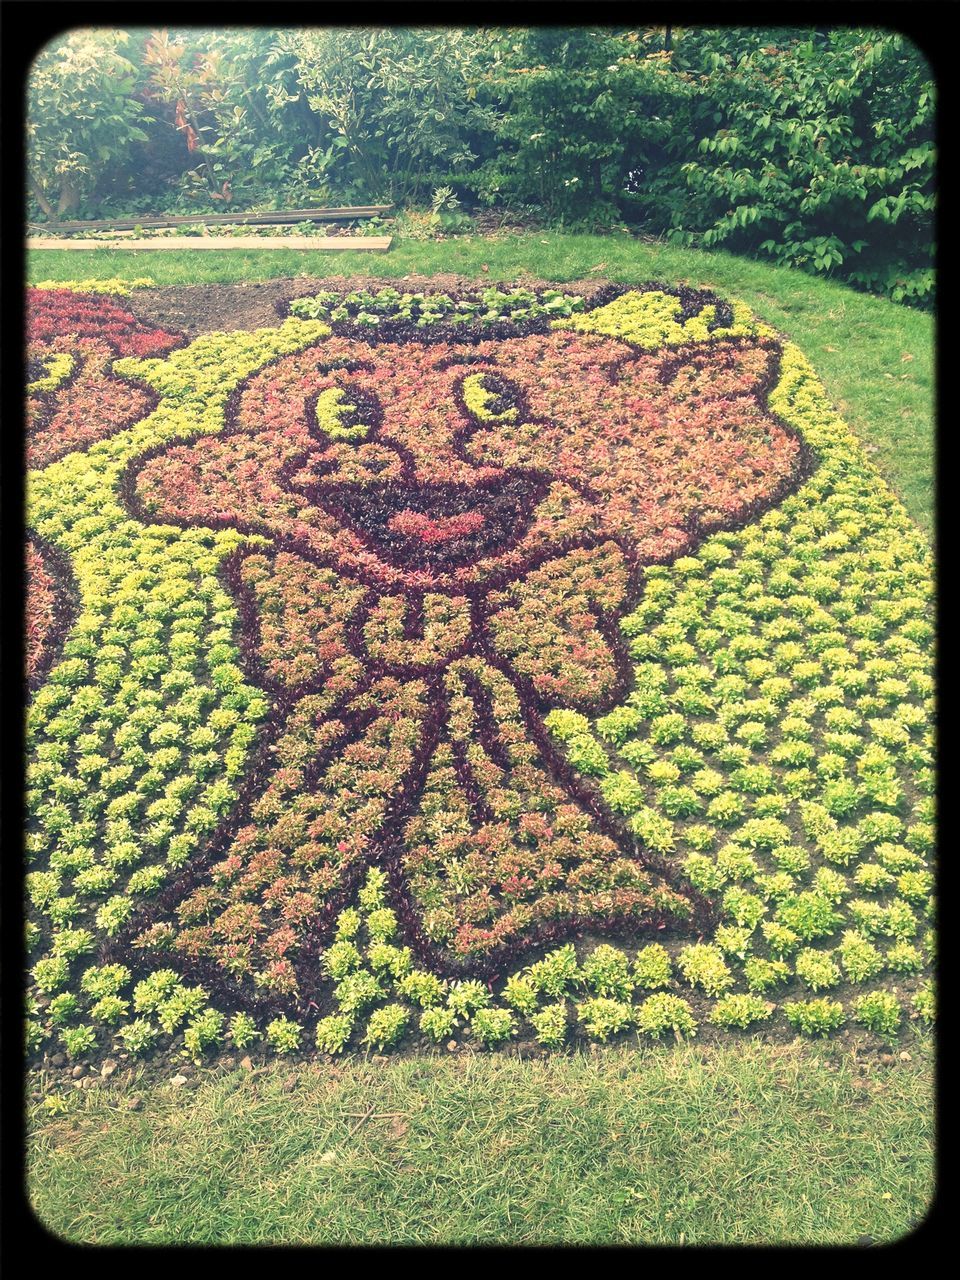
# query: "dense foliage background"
{"type": "Point", "coordinates": [808, 147]}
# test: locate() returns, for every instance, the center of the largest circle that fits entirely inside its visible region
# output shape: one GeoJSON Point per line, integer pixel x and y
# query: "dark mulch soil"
{"type": "Point", "coordinates": [202, 308]}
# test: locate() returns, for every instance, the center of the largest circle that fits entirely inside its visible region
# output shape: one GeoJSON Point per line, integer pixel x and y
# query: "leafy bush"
{"type": "Point", "coordinates": [663, 1012]}
{"type": "Point", "coordinates": [815, 1017]}
{"type": "Point", "coordinates": [740, 1011]}
{"type": "Point", "coordinates": [243, 1030]}
{"type": "Point", "coordinates": [813, 148]}
{"type": "Point", "coordinates": [437, 1023]}
{"type": "Point", "coordinates": [283, 1035]}
{"type": "Point", "coordinates": [386, 1026]}
{"type": "Point", "coordinates": [204, 1032]}
{"type": "Point", "coordinates": [550, 1025]}
{"type": "Point", "coordinates": [603, 1018]}
{"type": "Point", "coordinates": [556, 972]}
{"type": "Point", "coordinates": [492, 1026]}
{"type": "Point", "coordinates": [83, 118]}
{"type": "Point", "coordinates": [333, 1032]}
{"type": "Point", "coordinates": [78, 1041]}
{"type": "Point", "coordinates": [138, 1036]}
{"type": "Point", "coordinates": [703, 966]}
{"type": "Point", "coordinates": [578, 112]}
{"type": "Point", "coordinates": [652, 967]}
{"type": "Point", "coordinates": [880, 1011]}
{"type": "Point", "coordinates": [607, 971]}
{"type": "Point", "coordinates": [393, 109]}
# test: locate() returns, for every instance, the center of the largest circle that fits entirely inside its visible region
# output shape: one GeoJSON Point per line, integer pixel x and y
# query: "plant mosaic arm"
{"type": "Point", "coordinates": [73, 398]}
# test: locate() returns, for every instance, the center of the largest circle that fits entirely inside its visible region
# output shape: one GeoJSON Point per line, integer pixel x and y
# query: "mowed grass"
{"type": "Point", "coordinates": [746, 1144]}
{"type": "Point", "coordinates": [680, 1144]}
{"type": "Point", "coordinates": [875, 357]}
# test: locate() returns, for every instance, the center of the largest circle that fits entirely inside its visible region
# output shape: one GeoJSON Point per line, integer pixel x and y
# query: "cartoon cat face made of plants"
{"type": "Point", "coordinates": [455, 528]}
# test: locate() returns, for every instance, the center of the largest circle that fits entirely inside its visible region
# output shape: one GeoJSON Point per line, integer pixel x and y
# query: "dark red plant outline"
{"type": "Point", "coordinates": [66, 606]}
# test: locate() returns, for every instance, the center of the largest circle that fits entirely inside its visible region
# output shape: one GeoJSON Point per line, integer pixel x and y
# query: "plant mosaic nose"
{"type": "Point", "coordinates": [456, 530]}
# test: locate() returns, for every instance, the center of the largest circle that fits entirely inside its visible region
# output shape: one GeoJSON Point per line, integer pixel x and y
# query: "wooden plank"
{"type": "Point", "coordinates": [277, 217]}
{"type": "Point", "coordinates": [320, 244]}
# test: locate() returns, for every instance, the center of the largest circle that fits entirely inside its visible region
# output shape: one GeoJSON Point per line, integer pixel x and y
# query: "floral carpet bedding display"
{"type": "Point", "coordinates": [501, 666]}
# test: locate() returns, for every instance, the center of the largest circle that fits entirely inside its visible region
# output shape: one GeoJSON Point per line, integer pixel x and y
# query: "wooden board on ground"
{"type": "Point", "coordinates": [320, 244]}
{"type": "Point", "coordinates": [273, 217]}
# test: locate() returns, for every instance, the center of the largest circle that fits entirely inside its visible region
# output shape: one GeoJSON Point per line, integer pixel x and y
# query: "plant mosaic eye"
{"type": "Point", "coordinates": [398, 673]}
{"type": "Point", "coordinates": [490, 398]}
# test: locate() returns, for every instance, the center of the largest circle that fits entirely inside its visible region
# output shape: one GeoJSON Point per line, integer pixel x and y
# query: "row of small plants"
{"type": "Point", "coordinates": [776, 743]}
{"type": "Point", "coordinates": [381, 998]}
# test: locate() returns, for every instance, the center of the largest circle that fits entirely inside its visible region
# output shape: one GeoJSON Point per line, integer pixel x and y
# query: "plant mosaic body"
{"type": "Point", "coordinates": [410, 577]}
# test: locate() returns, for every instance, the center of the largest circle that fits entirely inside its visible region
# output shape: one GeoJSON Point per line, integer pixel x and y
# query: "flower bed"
{"type": "Point", "coordinates": [502, 664]}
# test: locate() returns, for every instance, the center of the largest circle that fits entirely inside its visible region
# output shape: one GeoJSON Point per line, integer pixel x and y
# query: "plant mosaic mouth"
{"type": "Point", "coordinates": [435, 526]}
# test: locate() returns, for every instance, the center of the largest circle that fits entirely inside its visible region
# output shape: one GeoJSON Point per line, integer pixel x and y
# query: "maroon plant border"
{"type": "Point", "coordinates": [388, 853]}
{"type": "Point", "coordinates": [66, 606]}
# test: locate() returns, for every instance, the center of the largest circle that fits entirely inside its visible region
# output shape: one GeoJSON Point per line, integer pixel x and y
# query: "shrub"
{"type": "Point", "coordinates": [607, 971]}
{"type": "Point", "coordinates": [860, 958]}
{"type": "Point", "coordinates": [78, 1041]}
{"type": "Point", "coordinates": [204, 1032]}
{"type": "Point", "coordinates": [243, 1030]}
{"type": "Point", "coordinates": [340, 959]}
{"type": "Point", "coordinates": [104, 980]}
{"type": "Point", "coordinates": [652, 967]}
{"type": "Point", "coordinates": [492, 1026]}
{"type": "Point", "coordinates": [63, 1007]}
{"type": "Point", "coordinates": [520, 993]}
{"type": "Point", "coordinates": [663, 1012]}
{"type": "Point", "coordinates": [466, 997]}
{"type": "Point", "coordinates": [550, 1025]}
{"type": "Point", "coordinates": [358, 990]}
{"type": "Point", "coordinates": [283, 1035]}
{"type": "Point", "coordinates": [879, 1011]}
{"type": "Point", "coordinates": [556, 972]}
{"type": "Point", "coordinates": [386, 1026]}
{"type": "Point", "coordinates": [83, 117]}
{"type": "Point", "coordinates": [809, 914]}
{"type": "Point", "coordinates": [109, 1009]}
{"type": "Point", "coordinates": [149, 994]}
{"type": "Point", "coordinates": [903, 958]}
{"type": "Point", "coordinates": [395, 961]}
{"type": "Point", "coordinates": [703, 966]}
{"type": "Point", "coordinates": [138, 1036]}
{"type": "Point", "coordinates": [603, 1018]}
{"type": "Point", "coordinates": [925, 1003]}
{"type": "Point", "coordinates": [815, 1017]}
{"type": "Point", "coordinates": [333, 1032]}
{"type": "Point", "coordinates": [421, 987]}
{"type": "Point", "coordinates": [381, 924]}
{"type": "Point", "coordinates": [816, 969]}
{"type": "Point", "coordinates": [437, 1023]}
{"type": "Point", "coordinates": [740, 1011]}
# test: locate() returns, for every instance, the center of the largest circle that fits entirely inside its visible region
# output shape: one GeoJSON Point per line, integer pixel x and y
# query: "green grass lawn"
{"type": "Point", "coordinates": [744, 1143]}
{"type": "Point", "coordinates": [751, 1143]}
{"type": "Point", "coordinates": [875, 357]}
